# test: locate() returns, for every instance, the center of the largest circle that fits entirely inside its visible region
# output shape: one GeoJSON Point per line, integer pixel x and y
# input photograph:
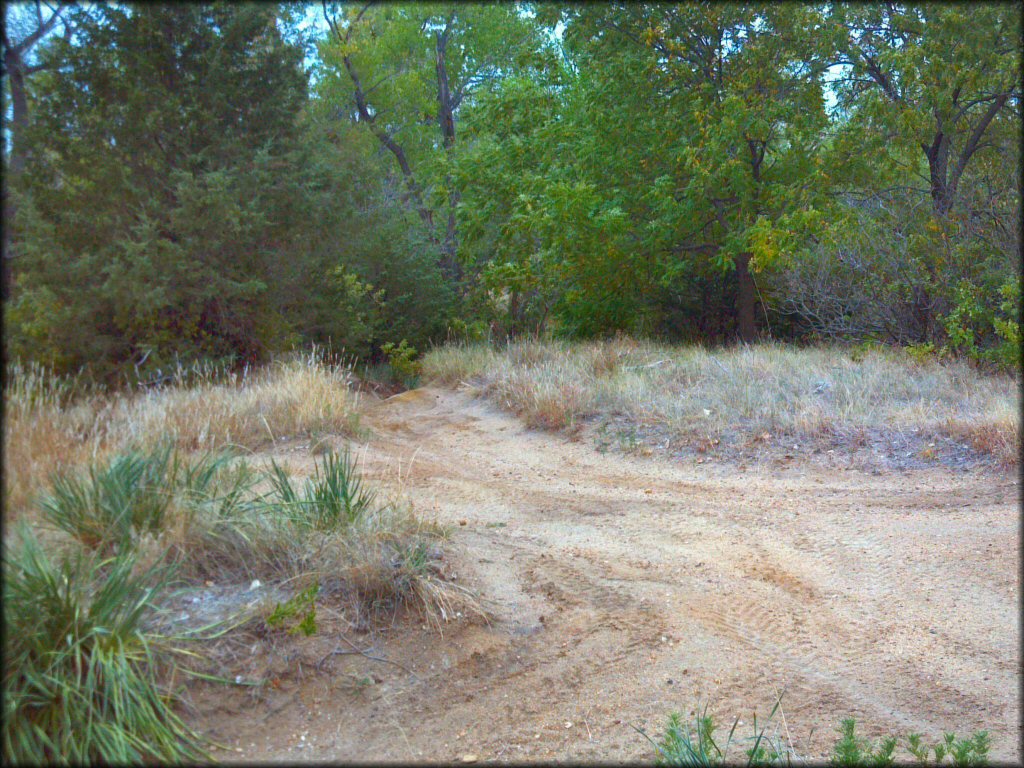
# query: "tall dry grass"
{"type": "Point", "coordinates": [53, 424]}
{"type": "Point", "coordinates": [742, 394]}
{"type": "Point", "coordinates": [140, 506]}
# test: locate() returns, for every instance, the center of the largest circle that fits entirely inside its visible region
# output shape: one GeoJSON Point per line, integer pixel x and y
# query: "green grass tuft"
{"type": "Point", "coordinates": [79, 681]}
{"type": "Point", "coordinates": [334, 497]}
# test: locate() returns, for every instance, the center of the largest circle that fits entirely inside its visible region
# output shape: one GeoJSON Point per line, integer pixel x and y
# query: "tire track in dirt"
{"type": "Point", "coordinates": [822, 620]}
{"type": "Point", "coordinates": [623, 588]}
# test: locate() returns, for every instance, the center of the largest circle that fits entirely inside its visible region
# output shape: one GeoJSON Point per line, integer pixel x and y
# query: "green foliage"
{"type": "Point", "coordinates": [969, 751]}
{"type": "Point", "coordinates": [404, 366]}
{"type": "Point", "coordinates": [304, 604]}
{"type": "Point", "coordinates": [1007, 327]}
{"type": "Point", "coordinates": [982, 330]}
{"type": "Point", "coordinates": [334, 497]}
{"type": "Point", "coordinates": [695, 745]}
{"type": "Point", "coordinates": [149, 208]}
{"type": "Point", "coordinates": [685, 171]}
{"type": "Point", "coordinates": [921, 353]}
{"type": "Point", "coordinates": [79, 683]}
{"type": "Point", "coordinates": [461, 331]}
{"type": "Point", "coordinates": [683, 745]}
{"type": "Point", "coordinates": [853, 750]}
{"type": "Point", "coordinates": [132, 494]}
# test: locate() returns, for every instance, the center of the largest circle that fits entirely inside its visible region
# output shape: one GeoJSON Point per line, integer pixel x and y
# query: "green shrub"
{"type": "Point", "coordinates": [304, 604]}
{"type": "Point", "coordinates": [969, 751]}
{"type": "Point", "coordinates": [921, 353]}
{"type": "Point", "coordinates": [404, 367]}
{"type": "Point", "coordinates": [695, 745]}
{"type": "Point", "coordinates": [983, 331]}
{"type": "Point", "coordinates": [852, 750]}
{"type": "Point", "coordinates": [79, 681]}
{"type": "Point", "coordinates": [1007, 353]}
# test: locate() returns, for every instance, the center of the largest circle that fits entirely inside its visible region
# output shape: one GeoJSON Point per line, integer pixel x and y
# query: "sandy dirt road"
{"type": "Point", "coordinates": [627, 587]}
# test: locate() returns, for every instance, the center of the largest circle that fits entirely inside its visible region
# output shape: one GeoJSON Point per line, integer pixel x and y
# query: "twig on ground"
{"type": "Point", "coordinates": [361, 652]}
{"type": "Point", "coordinates": [648, 365]}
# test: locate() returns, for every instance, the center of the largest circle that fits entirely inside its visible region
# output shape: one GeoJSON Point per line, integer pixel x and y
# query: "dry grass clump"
{"type": "Point", "coordinates": [549, 385]}
{"type": "Point", "coordinates": [455, 364]}
{"type": "Point", "coordinates": [392, 557]}
{"type": "Point", "coordinates": [54, 424]}
{"type": "Point", "coordinates": [747, 394]}
{"type": "Point", "coordinates": [215, 518]}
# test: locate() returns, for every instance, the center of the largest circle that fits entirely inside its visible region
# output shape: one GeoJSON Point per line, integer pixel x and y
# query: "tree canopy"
{"type": "Point", "coordinates": [207, 180]}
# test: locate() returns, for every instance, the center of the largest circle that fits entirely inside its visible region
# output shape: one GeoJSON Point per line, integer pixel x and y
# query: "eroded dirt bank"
{"type": "Point", "coordinates": [627, 587]}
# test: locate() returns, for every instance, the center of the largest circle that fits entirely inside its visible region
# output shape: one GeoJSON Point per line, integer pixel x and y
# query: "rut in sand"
{"type": "Point", "coordinates": [625, 587]}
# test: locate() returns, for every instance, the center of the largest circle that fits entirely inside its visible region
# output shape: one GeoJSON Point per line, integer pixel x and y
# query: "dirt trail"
{"type": "Point", "coordinates": [627, 587]}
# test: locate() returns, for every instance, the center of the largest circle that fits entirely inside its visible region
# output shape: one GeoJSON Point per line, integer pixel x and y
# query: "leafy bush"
{"type": "Point", "coordinates": [404, 366]}
{"type": "Point", "coordinates": [79, 682]}
{"type": "Point", "coordinates": [983, 332]}
{"type": "Point", "coordinates": [853, 750]}
{"type": "Point", "coordinates": [921, 353]}
{"type": "Point", "coordinates": [970, 751]}
{"type": "Point", "coordinates": [1007, 353]}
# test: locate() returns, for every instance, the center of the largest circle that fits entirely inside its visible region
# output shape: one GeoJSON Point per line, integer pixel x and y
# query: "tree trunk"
{"type": "Point", "coordinates": [413, 190]}
{"type": "Point", "coordinates": [446, 122]}
{"type": "Point", "coordinates": [745, 300]}
{"type": "Point", "coordinates": [938, 172]}
{"type": "Point", "coordinates": [19, 119]}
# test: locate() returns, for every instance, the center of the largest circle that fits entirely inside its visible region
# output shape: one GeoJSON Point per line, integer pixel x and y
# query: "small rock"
{"type": "Point", "coordinates": [469, 758]}
{"type": "Point", "coordinates": [463, 522]}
